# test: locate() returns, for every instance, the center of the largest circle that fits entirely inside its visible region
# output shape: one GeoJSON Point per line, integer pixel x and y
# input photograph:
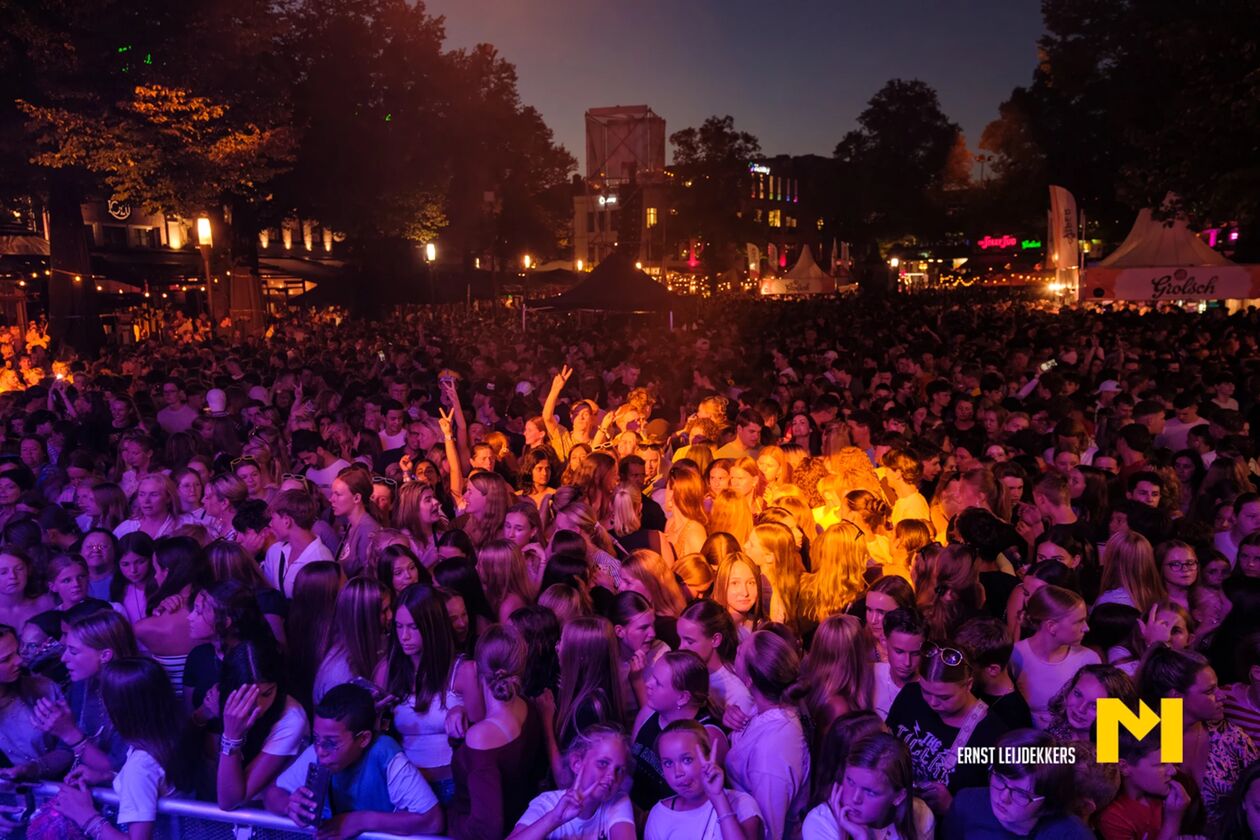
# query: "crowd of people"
{"type": "Point", "coordinates": [776, 573]}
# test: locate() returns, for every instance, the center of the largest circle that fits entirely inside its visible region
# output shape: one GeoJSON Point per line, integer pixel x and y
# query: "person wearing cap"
{"type": "Point", "coordinates": [216, 402]}
{"type": "Point", "coordinates": [177, 415]}
{"type": "Point", "coordinates": [581, 416]}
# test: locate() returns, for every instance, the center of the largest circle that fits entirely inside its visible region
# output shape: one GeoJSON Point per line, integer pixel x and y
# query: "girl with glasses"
{"type": "Point", "coordinates": [1179, 567]}
{"type": "Point", "coordinates": [1019, 800]}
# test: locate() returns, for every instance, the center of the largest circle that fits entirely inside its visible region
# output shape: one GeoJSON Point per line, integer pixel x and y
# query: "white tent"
{"type": "Point", "coordinates": [1166, 261]}
{"type": "Point", "coordinates": [805, 278]}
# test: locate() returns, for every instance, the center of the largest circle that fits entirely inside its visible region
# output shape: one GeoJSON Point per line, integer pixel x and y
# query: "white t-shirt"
{"type": "Point", "coordinates": [886, 690]}
{"type": "Point", "coordinates": [727, 689]}
{"type": "Point", "coordinates": [289, 732]}
{"type": "Point", "coordinates": [699, 823]}
{"type": "Point", "coordinates": [323, 479]}
{"type": "Point", "coordinates": [271, 563]}
{"type": "Point", "coordinates": [1039, 680]}
{"type": "Point", "coordinates": [389, 442]}
{"type": "Point", "coordinates": [913, 506]}
{"type": "Point", "coordinates": [139, 784]}
{"type": "Point", "coordinates": [820, 824]}
{"type": "Point", "coordinates": [408, 791]}
{"type": "Point", "coordinates": [598, 826]}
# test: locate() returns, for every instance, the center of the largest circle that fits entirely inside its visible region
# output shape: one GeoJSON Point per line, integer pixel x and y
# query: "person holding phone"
{"type": "Point", "coordinates": [370, 784]}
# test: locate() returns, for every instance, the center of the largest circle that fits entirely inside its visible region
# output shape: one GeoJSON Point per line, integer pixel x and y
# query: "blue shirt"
{"type": "Point", "coordinates": [971, 817]}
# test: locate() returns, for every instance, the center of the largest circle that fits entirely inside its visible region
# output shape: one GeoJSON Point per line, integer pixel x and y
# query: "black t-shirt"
{"type": "Point", "coordinates": [929, 737]}
{"type": "Point", "coordinates": [1011, 708]}
{"type": "Point", "coordinates": [998, 587]}
{"type": "Point", "coordinates": [202, 671]}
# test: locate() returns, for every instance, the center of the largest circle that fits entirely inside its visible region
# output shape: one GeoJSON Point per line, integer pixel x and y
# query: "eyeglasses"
{"type": "Point", "coordinates": [950, 656]}
{"type": "Point", "coordinates": [329, 744]}
{"type": "Point", "coordinates": [1183, 565]}
{"type": "Point", "coordinates": [1020, 797]}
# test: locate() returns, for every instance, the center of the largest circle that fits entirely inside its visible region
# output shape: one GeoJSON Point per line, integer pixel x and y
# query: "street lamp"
{"type": "Point", "coordinates": [430, 252]}
{"type": "Point", "coordinates": [580, 265]}
{"type": "Point", "coordinates": [205, 241]}
{"type": "Point", "coordinates": [527, 261]}
{"type": "Point", "coordinates": [894, 262]}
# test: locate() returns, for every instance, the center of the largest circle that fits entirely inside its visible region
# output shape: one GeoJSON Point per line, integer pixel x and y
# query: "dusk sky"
{"type": "Point", "coordinates": [795, 73]}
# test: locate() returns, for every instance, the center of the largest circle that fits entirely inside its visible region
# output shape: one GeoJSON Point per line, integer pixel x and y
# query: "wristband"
{"type": "Point", "coordinates": [79, 743]}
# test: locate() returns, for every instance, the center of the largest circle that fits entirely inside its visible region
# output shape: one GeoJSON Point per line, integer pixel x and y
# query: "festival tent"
{"type": "Point", "coordinates": [805, 278]}
{"type": "Point", "coordinates": [1165, 260]}
{"type": "Point", "coordinates": [615, 285]}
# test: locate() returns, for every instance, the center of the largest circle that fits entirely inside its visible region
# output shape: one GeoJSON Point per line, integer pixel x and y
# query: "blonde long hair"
{"type": "Point", "coordinates": [839, 558]}
{"type": "Point", "coordinates": [838, 665]}
{"type": "Point", "coordinates": [731, 515]}
{"type": "Point", "coordinates": [649, 569]}
{"type": "Point", "coordinates": [1128, 563]}
{"type": "Point", "coordinates": [501, 567]}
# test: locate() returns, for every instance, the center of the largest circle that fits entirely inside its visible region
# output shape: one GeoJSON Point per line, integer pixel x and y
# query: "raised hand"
{"type": "Point", "coordinates": [570, 805]}
{"type": "Point", "coordinates": [1154, 630]}
{"type": "Point", "coordinates": [444, 421]}
{"type": "Point", "coordinates": [638, 662]}
{"type": "Point", "coordinates": [561, 379]}
{"type": "Point", "coordinates": [240, 712]}
{"type": "Point", "coordinates": [711, 772]}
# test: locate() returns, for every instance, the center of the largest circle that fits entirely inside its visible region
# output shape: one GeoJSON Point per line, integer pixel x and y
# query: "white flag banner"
{"type": "Point", "coordinates": [1064, 235]}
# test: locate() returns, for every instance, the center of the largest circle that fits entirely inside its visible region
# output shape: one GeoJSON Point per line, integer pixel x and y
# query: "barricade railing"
{"type": "Point", "coordinates": [178, 819]}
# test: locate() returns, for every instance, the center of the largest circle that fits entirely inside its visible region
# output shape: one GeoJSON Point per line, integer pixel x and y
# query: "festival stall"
{"type": "Point", "coordinates": [805, 278]}
{"type": "Point", "coordinates": [1165, 260]}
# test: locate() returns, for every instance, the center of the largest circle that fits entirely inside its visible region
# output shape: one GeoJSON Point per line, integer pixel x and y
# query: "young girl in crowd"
{"type": "Point", "coordinates": [17, 604]}
{"type": "Point", "coordinates": [1075, 708]}
{"type": "Point", "coordinates": [418, 514]}
{"type": "Point", "coordinates": [772, 547]}
{"type": "Point", "coordinates": [157, 508]}
{"type": "Point", "coordinates": [502, 761]}
{"type": "Point", "coordinates": [22, 741]}
{"type": "Point", "coordinates": [501, 566]}
{"type": "Point", "coordinates": [687, 521]}
{"type": "Point", "coordinates": [1044, 662]}
{"type": "Point", "coordinates": [357, 642]}
{"type": "Point", "coordinates": [1130, 575]}
{"type": "Point", "coordinates": [677, 688]}
{"type": "Point", "coordinates": [179, 570]}
{"type": "Point", "coordinates": [309, 624]}
{"type": "Point", "coordinates": [873, 796]}
{"type": "Point", "coordinates": [523, 528]}
{"type": "Point", "coordinates": [634, 623]}
{"type": "Point", "coordinates": [647, 573]}
{"type": "Point", "coordinates": [589, 691]}
{"type": "Point", "coordinates": [838, 671]}
{"type": "Point", "coordinates": [738, 588]}
{"type": "Point", "coordinates": [437, 687]}
{"type": "Point", "coordinates": [702, 807]}
{"type": "Point", "coordinates": [68, 580]}
{"type": "Point", "coordinates": [351, 500]}
{"type": "Point", "coordinates": [264, 727]}
{"type": "Point", "coordinates": [142, 707]}
{"type": "Point", "coordinates": [769, 757]}
{"type": "Point", "coordinates": [595, 805]}
{"type": "Point", "coordinates": [707, 630]}
{"type": "Point", "coordinates": [885, 594]}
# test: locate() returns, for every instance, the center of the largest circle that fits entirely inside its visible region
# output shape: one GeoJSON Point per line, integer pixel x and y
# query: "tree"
{"type": "Point", "coordinates": [1131, 100]}
{"type": "Point", "coordinates": [893, 166]}
{"type": "Point", "coordinates": [712, 163]}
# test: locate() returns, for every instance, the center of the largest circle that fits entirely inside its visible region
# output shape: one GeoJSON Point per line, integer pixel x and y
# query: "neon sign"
{"type": "Point", "coordinates": [758, 169]}
{"type": "Point", "coordinates": [1029, 244]}
{"type": "Point", "coordinates": [607, 199]}
{"type": "Point", "coordinates": [1006, 241]}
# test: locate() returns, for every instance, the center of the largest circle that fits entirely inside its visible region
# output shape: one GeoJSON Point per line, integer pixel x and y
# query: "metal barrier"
{"type": "Point", "coordinates": [185, 819]}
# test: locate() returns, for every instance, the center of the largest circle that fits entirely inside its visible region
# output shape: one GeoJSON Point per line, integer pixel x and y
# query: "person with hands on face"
{"type": "Point", "coordinates": [82, 724]}
{"type": "Point", "coordinates": [595, 807]}
{"type": "Point", "coordinates": [141, 704]}
{"type": "Point", "coordinates": [372, 787]}
{"type": "Point", "coordinates": [703, 808]}
{"type": "Point", "coordinates": [873, 797]}
{"type": "Point", "coordinates": [263, 726]}
{"type": "Point", "coordinates": [634, 625]}
{"type": "Point", "coordinates": [22, 741]}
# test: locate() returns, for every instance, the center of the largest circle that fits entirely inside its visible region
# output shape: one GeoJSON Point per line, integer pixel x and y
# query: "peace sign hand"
{"type": "Point", "coordinates": [570, 805]}
{"type": "Point", "coordinates": [711, 772]}
{"type": "Point", "coordinates": [561, 379]}
{"type": "Point", "coordinates": [444, 420]}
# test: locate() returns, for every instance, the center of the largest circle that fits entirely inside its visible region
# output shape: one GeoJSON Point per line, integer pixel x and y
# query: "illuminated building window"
{"type": "Point", "coordinates": [757, 215]}
{"type": "Point", "coordinates": [761, 186]}
{"type": "Point", "coordinates": [790, 222]}
{"type": "Point", "coordinates": [774, 218]}
{"type": "Point", "coordinates": [651, 217]}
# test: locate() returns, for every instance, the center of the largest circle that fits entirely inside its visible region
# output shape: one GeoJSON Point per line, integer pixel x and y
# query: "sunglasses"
{"type": "Point", "coordinates": [248, 459]}
{"type": "Point", "coordinates": [950, 656]}
{"type": "Point", "coordinates": [295, 477]}
{"type": "Point", "coordinates": [380, 479]}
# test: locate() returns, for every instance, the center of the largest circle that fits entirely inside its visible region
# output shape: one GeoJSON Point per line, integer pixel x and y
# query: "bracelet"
{"type": "Point", "coordinates": [727, 814]}
{"type": "Point", "coordinates": [228, 746]}
{"type": "Point", "coordinates": [93, 827]}
{"type": "Point", "coordinates": [79, 743]}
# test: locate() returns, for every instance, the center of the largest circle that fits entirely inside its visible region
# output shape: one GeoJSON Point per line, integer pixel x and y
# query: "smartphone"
{"type": "Point", "coordinates": [318, 778]}
{"type": "Point", "coordinates": [1045, 366]}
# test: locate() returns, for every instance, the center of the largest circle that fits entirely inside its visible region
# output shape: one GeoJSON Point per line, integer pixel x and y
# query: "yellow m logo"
{"type": "Point", "coordinates": [1113, 714]}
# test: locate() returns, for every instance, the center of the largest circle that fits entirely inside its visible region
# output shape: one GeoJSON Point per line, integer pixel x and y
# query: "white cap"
{"type": "Point", "coordinates": [216, 401]}
{"type": "Point", "coordinates": [1109, 386]}
{"type": "Point", "coordinates": [261, 394]}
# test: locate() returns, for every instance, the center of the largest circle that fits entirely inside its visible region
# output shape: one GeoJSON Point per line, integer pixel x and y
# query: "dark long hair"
{"type": "Point", "coordinates": [145, 713]}
{"type": "Point", "coordinates": [437, 648]}
{"type": "Point", "coordinates": [540, 629]}
{"type": "Point", "coordinates": [185, 564]}
{"type": "Point", "coordinates": [251, 663]}
{"type": "Point", "coordinates": [140, 544]}
{"type": "Point", "coordinates": [309, 624]}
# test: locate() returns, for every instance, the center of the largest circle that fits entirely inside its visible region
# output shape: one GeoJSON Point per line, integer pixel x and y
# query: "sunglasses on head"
{"type": "Point", "coordinates": [380, 479]}
{"type": "Point", "coordinates": [950, 656]}
{"type": "Point", "coordinates": [294, 477]}
{"type": "Point", "coordinates": [247, 459]}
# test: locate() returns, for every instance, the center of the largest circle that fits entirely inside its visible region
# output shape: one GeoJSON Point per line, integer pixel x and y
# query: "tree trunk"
{"type": "Point", "coordinates": [72, 316]}
{"type": "Point", "coordinates": [244, 291]}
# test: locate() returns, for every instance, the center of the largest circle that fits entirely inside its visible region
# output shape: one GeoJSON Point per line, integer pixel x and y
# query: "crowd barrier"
{"type": "Point", "coordinates": [178, 819]}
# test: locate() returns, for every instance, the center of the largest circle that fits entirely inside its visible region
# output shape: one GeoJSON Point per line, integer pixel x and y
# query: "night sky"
{"type": "Point", "coordinates": [795, 73]}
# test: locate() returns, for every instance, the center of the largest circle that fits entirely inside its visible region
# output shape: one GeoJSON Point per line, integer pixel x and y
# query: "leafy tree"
{"type": "Point", "coordinates": [895, 163]}
{"type": "Point", "coordinates": [712, 164]}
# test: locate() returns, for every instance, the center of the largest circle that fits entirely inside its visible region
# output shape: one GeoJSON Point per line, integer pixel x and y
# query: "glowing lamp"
{"type": "Point", "coordinates": [580, 265]}
{"type": "Point", "coordinates": [894, 262]}
{"type": "Point", "coordinates": [203, 232]}
{"type": "Point", "coordinates": [527, 261]}
{"type": "Point", "coordinates": [430, 252]}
